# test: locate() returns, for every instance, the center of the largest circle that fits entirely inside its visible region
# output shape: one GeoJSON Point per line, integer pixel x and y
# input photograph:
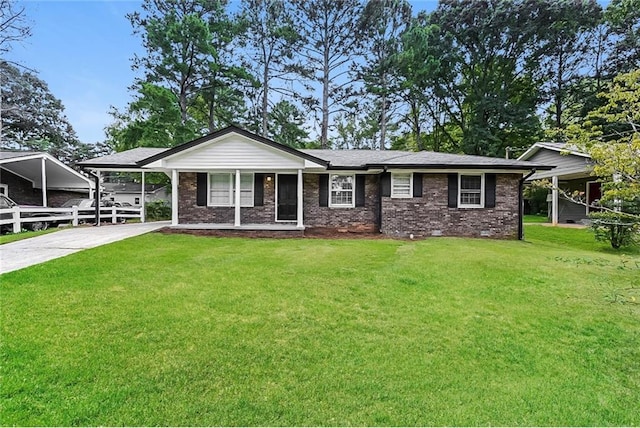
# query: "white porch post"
{"type": "Point", "coordinates": [174, 197]}
{"type": "Point", "coordinates": [98, 196]}
{"type": "Point", "coordinates": [44, 182]}
{"type": "Point", "coordinates": [300, 204]}
{"type": "Point", "coordinates": [554, 200]}
{"type": "Point", "coordinates": [236, 220]}
{"type": "Point", "coordinates": [142, 199]}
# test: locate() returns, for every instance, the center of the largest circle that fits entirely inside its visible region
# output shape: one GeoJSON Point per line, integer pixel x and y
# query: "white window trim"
{"type": "Point", "coordinates": [410, 195]}
{"type": "Point", "coordinates": [4, 189]}
{"type": "Point", "coordinates": [353, 192]}
{"type": "Point", "coordinates": [231, 189]}
{"type": "Point", "coordinates": [482, 184]}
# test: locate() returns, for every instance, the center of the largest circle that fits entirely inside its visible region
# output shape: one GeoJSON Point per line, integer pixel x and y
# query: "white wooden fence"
{"type": "Point", "coordinates": [21, 217]}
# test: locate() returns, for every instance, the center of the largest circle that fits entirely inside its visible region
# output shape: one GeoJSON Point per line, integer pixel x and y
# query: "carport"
{"type": "Point", "coordinates": [44, 172]}
{"type": "Point", "coordinates": [126, 161]}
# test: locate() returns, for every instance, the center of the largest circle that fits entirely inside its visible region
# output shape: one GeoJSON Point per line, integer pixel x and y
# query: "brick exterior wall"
{"type": "Point", "coordinates": [425, 216]}
{"type": "Point", "coordinates": [358, 219]}
{"type": "Point", "coordinates": [23, 193]}
{"type": "Point", "coordinates": [431, 216]}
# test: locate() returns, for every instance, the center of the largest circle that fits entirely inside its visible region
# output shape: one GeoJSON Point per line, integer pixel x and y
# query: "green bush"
{"type": "Point", "coordinates": [158, 210]}
{"type": "Point", "coordinates": [537, 197]}
{"type": "Point", "coordinates": [618, 228]}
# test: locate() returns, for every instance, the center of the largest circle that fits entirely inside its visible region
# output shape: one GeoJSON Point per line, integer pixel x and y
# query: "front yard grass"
{"type": "Point", "coordinates": [184, 330]}
{"type": "Point", "coordinates": [13, 237]}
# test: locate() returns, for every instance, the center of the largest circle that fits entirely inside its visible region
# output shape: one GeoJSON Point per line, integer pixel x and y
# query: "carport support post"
{"type": "Point", "coordinates": [554, 200]}
{"type": "Point", "coordinates": [97, 198]}
{"type": "Point", "coordinates": [142, 216]}
{"type": "Point", "coordinates": [44, 181]}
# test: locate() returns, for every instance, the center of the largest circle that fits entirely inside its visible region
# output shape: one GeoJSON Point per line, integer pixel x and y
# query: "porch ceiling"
{"type": "Point", "coordinates": [58, 175]}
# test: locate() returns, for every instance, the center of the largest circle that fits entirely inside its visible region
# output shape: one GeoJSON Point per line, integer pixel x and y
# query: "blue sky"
{"type": "Point", "coordinates": [83, 50]}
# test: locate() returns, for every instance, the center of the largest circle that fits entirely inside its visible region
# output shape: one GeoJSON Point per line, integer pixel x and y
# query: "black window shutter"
{"type": "Point", "coordinates": [417, 185]}
{"type": "Point", "coordinates": [360, 180]}
{"type": "Point", "coordinates": [258, 190]}
{"type": "Point", "coordinates": [201, 189]}
{"type": "Point", "coordinates": [385, 184]}
{"type": "Point", "coordinates": [489, 190]}
{"type": "Point", "coordinates": [323, 190]}
{"type": "Point", "coordinates": [453, 190]}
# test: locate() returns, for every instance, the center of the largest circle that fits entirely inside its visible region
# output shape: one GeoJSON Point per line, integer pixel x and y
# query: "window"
{"type": "Point", "coordinates": [471, 191]}
{"type": "Point", "coordinates": [342, 189]}
{"type": "Point", "coordinates": [401, 186]}
{"type": "Point", "coordinates": [136, 201]}
{"type": "Point", "coordinates": [222, 189]}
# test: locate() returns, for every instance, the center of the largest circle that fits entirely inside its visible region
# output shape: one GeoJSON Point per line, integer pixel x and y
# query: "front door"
{"type": "Point", "coordinates": [287, 204]}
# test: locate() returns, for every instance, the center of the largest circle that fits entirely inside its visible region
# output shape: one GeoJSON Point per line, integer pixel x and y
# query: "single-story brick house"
{"type": "Point", "coordinates": [235, 180]}
{"type": "Point", "coordinates": [572, 173]}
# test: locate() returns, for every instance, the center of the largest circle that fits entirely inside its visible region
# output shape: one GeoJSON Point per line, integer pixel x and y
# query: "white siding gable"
{"type": "Point", "coordinates": [565, 164]}
{"type": "Point", "coordinates": [231, 152]}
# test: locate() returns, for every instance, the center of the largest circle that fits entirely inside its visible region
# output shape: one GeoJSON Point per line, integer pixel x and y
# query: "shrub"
{"type": "Point", "coordinates": [158, 210]}
{"type": "Point", "coordinates": [618, 228]}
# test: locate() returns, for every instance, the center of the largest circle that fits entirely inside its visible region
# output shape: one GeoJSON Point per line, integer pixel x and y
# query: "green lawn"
{"type": "Point", "coordinates": [535, 218]}
{"type": "Point", "coordinates": [183, 330]}
{"type": "Point", "coordinates": [12, 237]}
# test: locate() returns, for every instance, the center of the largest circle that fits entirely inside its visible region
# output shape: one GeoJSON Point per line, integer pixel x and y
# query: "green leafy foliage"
{"type": "Point", "coordinates": [33, 118]}
{"type": "Point", "coordinates": [617, 228]}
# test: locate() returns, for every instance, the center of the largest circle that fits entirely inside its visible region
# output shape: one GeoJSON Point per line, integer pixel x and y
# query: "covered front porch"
{"type": "Point", "coordinates": [220, 199]}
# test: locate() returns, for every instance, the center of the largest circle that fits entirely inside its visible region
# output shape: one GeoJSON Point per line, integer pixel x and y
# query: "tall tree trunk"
{"type": "Point", "coordinates": [559, 89]}
{"type": "Point", "coordinates": [324, 133]}
{"type": "Point", "coordinates": [265, 101]}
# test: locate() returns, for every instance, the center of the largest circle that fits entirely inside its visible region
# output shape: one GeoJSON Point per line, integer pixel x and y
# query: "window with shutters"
{"type": "Point", "coordinates": [342, 188]}
{"type": "Point", "coordinates": [222, 190]}
{"type": "Point", "coordinates": [471, 190]}
{"type": "Point", "coordinates": [401, 185]}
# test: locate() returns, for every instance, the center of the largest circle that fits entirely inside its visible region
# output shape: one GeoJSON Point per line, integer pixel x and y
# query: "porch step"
{"type": "Point", "coordinates": [256, 227]}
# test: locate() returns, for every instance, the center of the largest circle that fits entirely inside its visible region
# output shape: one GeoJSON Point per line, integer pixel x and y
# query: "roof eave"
{"type": "Point", "coordinates": [459, 166]}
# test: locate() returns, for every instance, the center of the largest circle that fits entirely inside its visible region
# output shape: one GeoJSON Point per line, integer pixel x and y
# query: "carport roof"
{"type": "Point", "coordinates": [28, 165]}
{"type": "Point", "coordinates": [127, 160]}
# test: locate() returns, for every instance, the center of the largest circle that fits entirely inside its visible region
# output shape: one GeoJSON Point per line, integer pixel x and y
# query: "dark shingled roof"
{"type": "Point", "coordinates": [128, 158]}
{"type": "Point", "coordinates": [334, 159]}
{"type": "Point", "coordinates": [10, 154]}
{"type": "Point", "coordinates": [399, 159]}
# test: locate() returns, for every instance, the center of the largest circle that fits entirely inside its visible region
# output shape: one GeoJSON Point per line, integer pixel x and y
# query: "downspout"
{"type": "Point", "coordinates": [384, 169]}
{"type": "Point", "coordinates": [521, 205]}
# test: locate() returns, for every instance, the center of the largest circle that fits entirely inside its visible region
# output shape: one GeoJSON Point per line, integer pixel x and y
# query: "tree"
{"type": "Point", "coordinates": [187, 52]}
{"type": "Point", "coordinates": [566, 46]}
{"type": "Point", "coordinates": [271, 42]}
{"type": "Point", "coordinates": [153, 119]}
{"type": "Point", "coordinates": [623, 19]}
{"type": "Point", "coordinates": [382, 22]}
{"type": "Point", "coordinates": [13, 25]}
{"type": "Point", "coordinates": [329, 29]}
{"type": "Point", "coordinates": [286, 125]}
{"type": "Point", "coordinates": [477, 60]}
{"type": "Point", "coordinates": [33, 118]}
{"type": "Point", "coordinates": [611, 136]}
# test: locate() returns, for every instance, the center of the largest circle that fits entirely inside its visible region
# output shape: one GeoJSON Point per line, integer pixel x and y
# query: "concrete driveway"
{"type": "Point", "coordinates": [32, 251]}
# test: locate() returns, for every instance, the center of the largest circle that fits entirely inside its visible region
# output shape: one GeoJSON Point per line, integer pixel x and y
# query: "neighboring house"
{"type": "Point", "coordinates": [132, 192]}
{"type": "Point", "coordinates": [37, 178]}
{"type": "Point", "coordinates": [235, 180]}
{"type": "Point", "coordinates": [571, 174]}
